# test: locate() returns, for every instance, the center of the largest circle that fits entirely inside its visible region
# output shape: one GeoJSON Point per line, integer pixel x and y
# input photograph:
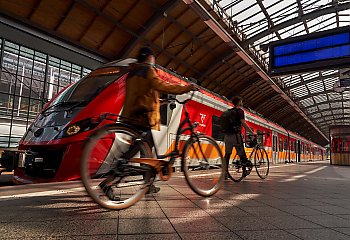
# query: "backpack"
{"type": "Point", "coordinates": [230, 122]}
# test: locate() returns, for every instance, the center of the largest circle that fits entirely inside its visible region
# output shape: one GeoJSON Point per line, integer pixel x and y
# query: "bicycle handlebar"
{"type": "Point", "coordinates": [180, 102]}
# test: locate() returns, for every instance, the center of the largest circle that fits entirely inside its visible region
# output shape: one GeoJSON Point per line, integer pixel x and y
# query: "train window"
{"type": "Point", "coordinates": [164, 110]}
{"type": "Point", "coordinates": [216, 129]}
{"type": "Point", "coordinates": [281, 144]}
{"type": "Point", "coordinates": [84, 90]}
{"type": "Point", "coordinates": [285, 144]}
{"type": "Point", "coordinates": [260, 138]}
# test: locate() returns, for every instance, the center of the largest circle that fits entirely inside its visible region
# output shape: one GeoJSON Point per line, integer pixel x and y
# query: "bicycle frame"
{"type": "Point", "coordinates": [158, 162]}
{"type": "Point", "coordinates": [175, 152]}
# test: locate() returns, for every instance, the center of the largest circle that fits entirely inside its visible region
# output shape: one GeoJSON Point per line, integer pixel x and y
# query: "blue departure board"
{"type": "Point", "coordinates": [312, 52]}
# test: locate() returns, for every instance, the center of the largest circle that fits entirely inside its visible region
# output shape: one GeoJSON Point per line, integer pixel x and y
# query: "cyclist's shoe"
{"type": "Point", "coordinates": [245, 172]}
{"type": "Point", "coordinates": [108, 191]}
{"type": "Point", "coordinates": [226, 176]}
{"type": "Point", "coordinates": [237, 164]}
{"type": "Point", "coordinates": [153, 189]}
{"type": "Point", "coordinates": [247, 164]}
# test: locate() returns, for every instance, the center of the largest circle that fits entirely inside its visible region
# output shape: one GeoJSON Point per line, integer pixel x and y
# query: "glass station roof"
{"type": "Point", "coordinates": [259, 22]}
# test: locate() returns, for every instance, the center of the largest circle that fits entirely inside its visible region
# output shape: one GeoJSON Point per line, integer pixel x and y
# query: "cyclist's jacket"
{"type": "Point", "coordinates": [141, 105]}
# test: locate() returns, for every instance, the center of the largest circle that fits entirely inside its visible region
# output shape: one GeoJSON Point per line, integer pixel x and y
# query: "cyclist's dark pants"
{"type": "Point", "coordinates": [231, 141]}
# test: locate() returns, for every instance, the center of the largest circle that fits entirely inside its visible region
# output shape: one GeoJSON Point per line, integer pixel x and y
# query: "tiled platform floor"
{"type": "Point", "coordinates": [304, 201]}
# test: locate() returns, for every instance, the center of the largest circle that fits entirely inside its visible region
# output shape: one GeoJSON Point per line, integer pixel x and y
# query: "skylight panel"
{"type": "Point", "coordinates": [329, 72]}
{"type": "Point", "coordinates": [327, 113]}
{"type": "Point", "coordinates": [247, 15]}
{"type": "Point", "coordinates": [300, 91]}
{"type": "Point", "coordinates": [329, 118]}
{"type": "Point", "coordinates": [329, 82]}
{"type": "Point", "coordinates": [323, 106]}
{"type": "Point", "coordinates": [308, 76]}
{"type": "Point", "coordinates": [317, 115]}
{"type": "Point", "coordinates": [315, 87]}
{"type": "Point", "coordinates": [307, 102]}
{"type": "Point", "coordinates": [334, 96]}
{"type": "Point", "coordinates": [338, 111]}
{"type": "Point", "coordinates": [312, 109]}
{"type": "Point", "coordinates": [336, 105]}
{"type": "Point", "coordinates": [346, 95]}
{"type": "Point", "coordinates": [320, 98]}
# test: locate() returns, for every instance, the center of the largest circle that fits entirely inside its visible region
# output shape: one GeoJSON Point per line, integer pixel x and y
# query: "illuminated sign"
{"type": "Point", "coordinates": [317, 51]}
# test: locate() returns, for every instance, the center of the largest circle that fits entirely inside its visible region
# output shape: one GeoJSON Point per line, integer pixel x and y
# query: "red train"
{"type": "Point", "coordinates": [53, 143]}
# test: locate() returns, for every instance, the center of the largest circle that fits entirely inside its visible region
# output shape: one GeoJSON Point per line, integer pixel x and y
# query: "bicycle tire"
{"type": "Point", "coordinates": [203, 165]}
{"type": "Point", "coordinates": [102, 159]}
{"type": "Point", "coordinates": [235, 171]}
{"type": "Point", "coordinates": [261, 163]}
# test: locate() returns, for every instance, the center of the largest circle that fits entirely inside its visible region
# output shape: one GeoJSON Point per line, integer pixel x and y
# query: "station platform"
{"type": "Point", "coordinates": [297, 201]}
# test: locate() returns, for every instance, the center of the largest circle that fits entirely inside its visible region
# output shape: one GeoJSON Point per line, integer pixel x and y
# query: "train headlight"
{"type": "Point", "coordinates": [79, 127]}
{"type": "Point", "coordinates": [74, 129]}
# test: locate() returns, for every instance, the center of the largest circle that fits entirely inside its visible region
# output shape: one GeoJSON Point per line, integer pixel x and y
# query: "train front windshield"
{"type": "Point", "coordinates": [85, 90]}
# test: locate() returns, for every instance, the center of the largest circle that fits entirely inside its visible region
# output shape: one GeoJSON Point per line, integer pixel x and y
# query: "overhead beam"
{"type": "Point", "coordinates": [300, 14]}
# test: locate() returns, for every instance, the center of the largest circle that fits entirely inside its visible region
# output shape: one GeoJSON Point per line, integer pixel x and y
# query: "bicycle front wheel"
{"type": "Point", "coordinates": [203, 165]}
{"type": "Point", "coordinates": [235, 170]}
{"type": "Point", "coordinates": [108, 177]}
{"type": "Point", "coordinates": [261, 162]}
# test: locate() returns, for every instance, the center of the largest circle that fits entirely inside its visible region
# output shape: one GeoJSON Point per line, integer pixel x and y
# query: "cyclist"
{"type": "Point", "coordinates": [235, 139]}
{"type": "Point", "coordinates": [142, 105]}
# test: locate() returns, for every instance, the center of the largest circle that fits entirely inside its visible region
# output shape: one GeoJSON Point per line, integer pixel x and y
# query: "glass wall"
{"type": "Point", "coordinates": [28, 79]}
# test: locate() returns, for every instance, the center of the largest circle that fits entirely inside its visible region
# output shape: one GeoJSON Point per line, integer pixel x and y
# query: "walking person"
{"type": "Point", "coordinates": [232, 121]}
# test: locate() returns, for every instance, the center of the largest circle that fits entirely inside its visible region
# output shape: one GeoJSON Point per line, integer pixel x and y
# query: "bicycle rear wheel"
{"type": "Point", "coordinates": [104, 163]}
{"type": "Point", "coordinates": [235, 170]}
{"type": "Point", "coordinates": [261, 162]}
{"type": "Point", "coordinates": [203, 165]}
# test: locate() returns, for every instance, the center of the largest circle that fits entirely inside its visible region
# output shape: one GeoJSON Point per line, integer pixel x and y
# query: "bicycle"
{"type": "Point", "coordinates": [260, 162]}
{"type": "Point", "coordinates": [201, 161]}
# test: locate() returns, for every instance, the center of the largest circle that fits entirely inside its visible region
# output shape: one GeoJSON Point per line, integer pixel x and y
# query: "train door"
{"type": "Point", "coordinates": [274, 147]}
{"type": "Point", "coordinates": [298, 151]}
